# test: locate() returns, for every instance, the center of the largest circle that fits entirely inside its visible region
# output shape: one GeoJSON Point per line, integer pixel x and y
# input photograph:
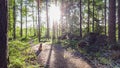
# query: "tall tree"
{"type": "Point", "coordinates": [38, 20]}
{"type": "Point", "coordinates": [118, 20]}
{"type": "Point", "coordinates": [3, 33]}
{"type": "Point", "coordinates": [33, 17]}
{"type": "Point", "coordinates": [14, 18]}
{"type": "Point", "coordinates": [47, 19]}
{"type": "Point", "coordinates": [21, 5]}
{"type": "Point", "coordinates": [93, 17]}
{"type": "Point", "coordinates": [88, 16]}
{"type": "Point", "coordinates": [112, 22]}
{"type": "Point", "coordinates": [53, 27]}
{"type": "Point", "coordinates": [56, 22]}
{"type": "Point", "coordinates": [26, 17]}
{"type": "Point", "coordinates": [62, 14]}
{"type": "Point", "coordinates": [80, 18]}
{"type": "Point", "coordinates": [105, 15]}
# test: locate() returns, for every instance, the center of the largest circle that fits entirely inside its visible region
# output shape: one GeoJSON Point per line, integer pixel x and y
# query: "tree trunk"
{"type": "Point", "coordinates": [105, 16]}
{"type": "Point", "coordinates": [21, 19]}
{"type": "Point", "coordinates": [88, 30]}
{"type": "Point", "coordinates": [47, 19]}
{"type": "Point", "coordinates": [53, 30]}
{"type": "Point", "coordinates": [33, 19]}
{"type": "Point", "coordinates": [14, 18]}
{"type": "Point", "coordinates": [26, 19]}
{"type": "Point", "coordinates": [36, 21]}
{"type": "Point", "coordinates": [39, 20]}
{"type": "Point", "coordinates": [118, 20]}
{"type": "Point", "coordinates": [112, 21]}
{"type": "Point", "coordinates": [62, 14]}
{"type": "Point", "coordinates": [3, 33]}
{"type": "Point", "coordinates": [93, 17]}
{"type": "Point", "coordinates": [80, 19]}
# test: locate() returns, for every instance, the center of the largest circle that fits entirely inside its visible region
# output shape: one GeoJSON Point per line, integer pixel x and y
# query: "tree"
{"type": "Point", "coordinates": [93, 17]}
{"type": "Point", "coordinates": [112, 21]}
{"type": "Point", "coordinates": [3, 33]}
{"type": "Point", "coordinates": [62, 14]}
{"type": "Point", "coordinates": [53, 28]}
{"type": "Point", "coordinates": [39, 20]}
{"type": "Point", "coordinates": [88, 16]}
{"type": "Point", "coordinates": [118, 20]}
{"type": "Point", "coordinates": [21, 32]}
{"type": "Point", "coordinates": [33, 18]}
{"type": "Point", "coordinates": [105, 15]}
{"type": "Point", "coordinates": [14, 18]}
{"type": "Point", "coordinates": [80, 19]}
{"type": "Point", "coordinates": [26, 17]}
{"type": "Point", "coordinates": [47, 19]}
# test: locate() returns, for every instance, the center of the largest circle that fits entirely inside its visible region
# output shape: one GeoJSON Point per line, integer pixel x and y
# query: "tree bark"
{"type": "Point", "coordinates": [88, 30]}
{"type": "Point", "coordinates": [53, 27]}
{"type": "Point", "coordinates": [47, 19]}
{"type": "Point", "coordinates": [93, 17]}
{"type": "Point", "coordinates": [62, 14]}
{"type": "Point", "coordinates": [33, 19]}
{"type": "Point", "coordinates": [118, 20]}
{"type": "Point", "coordinates": [105, 16]}
{"type": "Point", "coordinates": [39, 20]}
{"type": "Point", "coordinates": [26, 20]}
{"type": "Point", "coordinates": [112, 22]}
{"type": "Point", "coordinates": [21, 32]}
{"type": "Point", "coordinates": [3, 33]}
{"type": "Point", "coordinates": [14, 18]}
{"type": "Point", "coordinates": [80, 19]}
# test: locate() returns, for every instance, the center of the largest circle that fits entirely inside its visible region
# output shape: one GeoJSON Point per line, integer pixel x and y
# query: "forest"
{"type": "Point", "coordinates": [59, 33]}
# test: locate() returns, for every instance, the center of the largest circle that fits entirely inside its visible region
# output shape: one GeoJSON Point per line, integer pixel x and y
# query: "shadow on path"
{"type": "Point", "coordinates": [49, 57]}
{"type": "Point", "coordinates": [59, 62]}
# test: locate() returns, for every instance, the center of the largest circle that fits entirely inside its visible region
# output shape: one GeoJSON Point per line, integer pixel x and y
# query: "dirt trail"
{"type": "Point", "coordinates": [54, 56]}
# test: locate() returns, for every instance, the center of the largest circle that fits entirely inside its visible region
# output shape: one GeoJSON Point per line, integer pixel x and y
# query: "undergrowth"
{"type": "Point", "coordinates": [21, 56]}
{"type": "Point", "coordinates": [73, 45]}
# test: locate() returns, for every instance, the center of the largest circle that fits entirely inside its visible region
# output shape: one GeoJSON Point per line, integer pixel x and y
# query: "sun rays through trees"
{"type": "Point", "coordinates": [88, 28]}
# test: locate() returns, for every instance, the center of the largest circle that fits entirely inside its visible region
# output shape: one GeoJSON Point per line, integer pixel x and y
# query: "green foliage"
{"type": "Point", "coordinates": [99, 28]}
{"type": "Point", "coordinates": [69, 44]}
{"type": "Point", "coordinates": [73, 43]}
{"type": "Point", "coordinates": [24, 9]}
{"type": "Point", "coordinates": [16, 63]}
{"type": "Point", "coordinates": [104, 60]}
{"type": "Point", "coordinates": [19, 54]}
{"type": "Point", "coordinates": [16, 59]}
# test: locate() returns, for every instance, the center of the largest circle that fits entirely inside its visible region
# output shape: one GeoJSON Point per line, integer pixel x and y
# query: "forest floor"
{"type": "Point", "coordinates": [54, 56]}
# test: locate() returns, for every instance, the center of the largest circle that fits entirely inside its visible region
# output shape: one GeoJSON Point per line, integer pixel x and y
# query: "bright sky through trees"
{"type": "Point", "coordinates": [55, 13]}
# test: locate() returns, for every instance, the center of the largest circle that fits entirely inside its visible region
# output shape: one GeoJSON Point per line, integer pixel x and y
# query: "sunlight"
{"type": "Point", "coordinates": [55, 13]}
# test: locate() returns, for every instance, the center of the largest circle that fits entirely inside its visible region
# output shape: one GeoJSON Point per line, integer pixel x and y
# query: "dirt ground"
{"type": "Point", "coordinates": [54, 56]}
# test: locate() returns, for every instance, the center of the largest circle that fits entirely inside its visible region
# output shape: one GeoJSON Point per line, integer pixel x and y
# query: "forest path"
{"type": "Point", "coordinates": [54, 56]}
